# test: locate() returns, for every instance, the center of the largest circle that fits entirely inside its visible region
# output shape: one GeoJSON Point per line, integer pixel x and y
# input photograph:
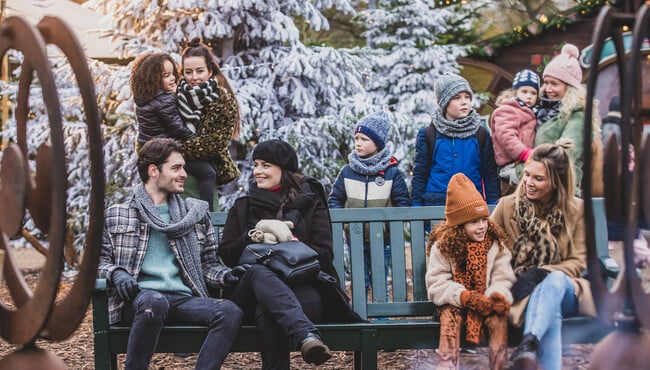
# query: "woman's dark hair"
{"type": "Point", "coordinates": [196, 48]}
{"type": "Point", "coordinates": [290, 186]}
{"type": "Point", "coordinates": [146, 75]}
{"type": "Point", "coordinates": [155, 151]}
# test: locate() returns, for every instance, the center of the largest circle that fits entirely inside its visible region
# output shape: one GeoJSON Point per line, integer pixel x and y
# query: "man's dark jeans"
{"type": "Point", "coordinates": [150, 310]}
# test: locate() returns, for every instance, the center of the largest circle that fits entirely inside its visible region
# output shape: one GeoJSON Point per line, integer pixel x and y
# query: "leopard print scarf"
{"type": "Point", "coordinates": [474, 277]}
{"type": "Point", "coordinates": [537, 241]}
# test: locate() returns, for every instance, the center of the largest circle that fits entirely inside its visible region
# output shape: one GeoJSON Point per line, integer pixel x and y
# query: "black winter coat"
{"type": "Point", "coordinates": [311, 226]}
{"type": "Point", "coordinates": [159, 117]}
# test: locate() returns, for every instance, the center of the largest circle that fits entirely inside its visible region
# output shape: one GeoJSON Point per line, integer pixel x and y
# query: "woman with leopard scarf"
{"type": "Point", "coordinates": [469, 276]}
{"type": "Point", "coordinates": [544, 222]}
{"type": "Point", "coordinates": [207, 102]}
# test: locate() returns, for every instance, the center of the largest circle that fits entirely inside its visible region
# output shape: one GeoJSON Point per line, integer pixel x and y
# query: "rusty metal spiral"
{"type": "Point", "coordinates": [43, 192]}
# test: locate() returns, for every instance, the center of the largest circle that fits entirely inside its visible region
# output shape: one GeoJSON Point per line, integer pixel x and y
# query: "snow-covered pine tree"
{"type": "Point", "coordinates": [119, 151]}
{"type": "Point", "coordinates": [412, 43]}
{"type": "Point", "coordinates": [277, 79]}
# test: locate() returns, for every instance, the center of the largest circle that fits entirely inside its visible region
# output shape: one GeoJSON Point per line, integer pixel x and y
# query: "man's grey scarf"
{"type": "Point", "coordinates": [460, 128]}
{"type": "Point", "coordinates": [184, 214]}
{"type": "Point", "coordinates": [370, 166]}
{"type": "Point", "coordinates": [192, 99]}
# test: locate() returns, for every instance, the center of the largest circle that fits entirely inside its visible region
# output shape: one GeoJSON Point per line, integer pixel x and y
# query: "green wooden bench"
{"type": "Point", "coordinates": [406, 318]}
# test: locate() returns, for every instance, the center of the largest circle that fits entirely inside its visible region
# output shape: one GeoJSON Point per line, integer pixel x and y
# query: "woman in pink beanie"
{"type": "Point", "coordinates": [562, 103]}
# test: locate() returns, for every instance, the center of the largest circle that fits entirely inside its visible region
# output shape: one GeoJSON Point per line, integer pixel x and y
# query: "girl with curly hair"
{"type": "Point", "coordinates": [153, 83]}
{"type": "Point", "coordinates": [469, 276]}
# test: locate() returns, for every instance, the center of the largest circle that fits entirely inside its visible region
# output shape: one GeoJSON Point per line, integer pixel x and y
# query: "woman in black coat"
{"type": "Point", "coordinates": [284, 314]}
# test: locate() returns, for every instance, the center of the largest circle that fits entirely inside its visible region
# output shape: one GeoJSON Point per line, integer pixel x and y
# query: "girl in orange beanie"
{"type": "Point", "coordinates": [469, 275]}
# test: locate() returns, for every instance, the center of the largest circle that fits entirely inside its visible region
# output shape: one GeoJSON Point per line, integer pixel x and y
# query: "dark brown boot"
{"type": "Point", "coordinates": [525, 356]}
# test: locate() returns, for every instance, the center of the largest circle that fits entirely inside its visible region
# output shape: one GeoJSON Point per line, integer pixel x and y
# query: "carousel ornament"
{"type": "Point", "coordinates": [35, 314]}
{"type": "Point", "coordinates": [626, 307]}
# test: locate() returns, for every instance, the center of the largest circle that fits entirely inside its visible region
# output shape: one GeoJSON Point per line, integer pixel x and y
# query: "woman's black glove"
{"type": "Point", "coordinates": [526, 282]}
{"type": "Point", "coordinates": [232, 277]}
{"type": "Point", "coordinates": [125, 285]}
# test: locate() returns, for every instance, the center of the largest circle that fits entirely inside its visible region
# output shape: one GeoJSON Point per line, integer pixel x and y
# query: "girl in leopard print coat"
{"type": "Point", "coordinates": [469, 276]}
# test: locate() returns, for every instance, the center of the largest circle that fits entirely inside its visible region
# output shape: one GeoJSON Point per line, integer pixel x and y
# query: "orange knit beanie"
{"type": "Point", "coordinates": [464, 203]}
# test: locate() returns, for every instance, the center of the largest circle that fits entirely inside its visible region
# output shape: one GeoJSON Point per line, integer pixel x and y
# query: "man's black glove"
{"type": "Point", "coordinates": [125, 285]}
{"type": "Point", "coordinates": [526, 282]}
{"type": "Point", "coordinates": [232, 277]}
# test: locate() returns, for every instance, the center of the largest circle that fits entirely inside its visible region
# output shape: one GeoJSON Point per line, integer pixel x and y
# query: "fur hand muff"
{"type": "Point", "coordinates": [280, 229]}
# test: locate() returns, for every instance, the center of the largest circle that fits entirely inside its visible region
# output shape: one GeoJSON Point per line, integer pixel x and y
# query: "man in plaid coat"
{"type": "Point", "coordinates": [160, 256]}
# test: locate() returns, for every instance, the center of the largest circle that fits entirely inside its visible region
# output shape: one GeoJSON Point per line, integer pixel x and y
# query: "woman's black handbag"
{"type": "Point", "coordinates": [294, 261]}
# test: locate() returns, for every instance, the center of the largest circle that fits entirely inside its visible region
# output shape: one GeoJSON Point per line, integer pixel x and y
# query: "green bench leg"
{"type": "Point", "coordinates": [369, 351]}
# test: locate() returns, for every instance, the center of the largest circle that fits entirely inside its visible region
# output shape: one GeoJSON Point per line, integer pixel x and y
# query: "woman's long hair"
{"type": "Point", "coordinates": [290, 186]}
{"type": "Point", "coordinates": [196, 48]}
{"type": "Point", "coordinates": [559, 169]}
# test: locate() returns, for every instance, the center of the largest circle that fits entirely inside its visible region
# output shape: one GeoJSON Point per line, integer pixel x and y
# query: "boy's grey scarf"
{"type": "Point", "coordinates": [191, 100]}
{"type": "Point", "coordinates": [184, 214]}
{"type": "Point", "coordinates": [372, 165]}
{"type": "Point", "coordinates": [460, 128]}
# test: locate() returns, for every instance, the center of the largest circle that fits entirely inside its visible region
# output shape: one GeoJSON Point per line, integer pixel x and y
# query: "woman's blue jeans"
{"type": "Point", "coordinates": [553, 298]}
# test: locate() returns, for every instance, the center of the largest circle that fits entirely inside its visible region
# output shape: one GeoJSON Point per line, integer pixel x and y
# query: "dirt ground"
{"type": "Point", "coordinates": [77, 351]}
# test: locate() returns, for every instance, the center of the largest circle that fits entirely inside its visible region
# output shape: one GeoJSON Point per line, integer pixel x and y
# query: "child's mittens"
{"type": "Point", "coordinates": [499, 304]}
{"type": "Point", "coordinates": [523, 156]}
{"type": "Point", "coordinates": [280, 229]}
{"type": "Point", "coordinates": [477, 302]}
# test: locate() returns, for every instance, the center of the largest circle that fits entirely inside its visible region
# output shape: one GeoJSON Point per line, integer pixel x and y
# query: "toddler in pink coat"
{"type": "Point", "coordinates": [513, 125]}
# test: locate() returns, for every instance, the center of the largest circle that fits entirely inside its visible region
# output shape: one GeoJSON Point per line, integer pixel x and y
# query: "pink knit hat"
{"type": "Point", "coordinates": [565, 66]}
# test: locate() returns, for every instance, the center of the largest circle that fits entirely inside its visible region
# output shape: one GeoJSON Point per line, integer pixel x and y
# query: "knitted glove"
{"type": "Point", "coordinates": [258, 236]}
{"type": "Point", "coordinates": [280, 229]}
{"type": "Point", "coordinates": [125, 285]}
{"type": "Point", "coordinates": [499, 304]}
{"type": "Point", "coordinates": [232, 277]}
{"type": "Point", "coordinates": [476, 301]}
{"type": "Point", "coordinates": [526, 282]}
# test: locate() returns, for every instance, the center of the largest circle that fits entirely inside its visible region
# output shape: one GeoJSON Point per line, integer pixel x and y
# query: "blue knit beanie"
{"type": "Point", "coordinates": [448, 86]}
{"type": "Point", "coordinates": [526, 77]}
{"type": "Point", "coordinates": [375, 126]}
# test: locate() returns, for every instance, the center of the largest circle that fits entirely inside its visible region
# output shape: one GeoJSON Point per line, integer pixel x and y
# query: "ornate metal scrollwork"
{"type": "Point", "coordinates": [43, 191]}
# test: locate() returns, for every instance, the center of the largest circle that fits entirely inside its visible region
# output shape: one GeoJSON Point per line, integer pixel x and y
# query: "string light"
{"type": "Point", "coordinates": [249, 66]}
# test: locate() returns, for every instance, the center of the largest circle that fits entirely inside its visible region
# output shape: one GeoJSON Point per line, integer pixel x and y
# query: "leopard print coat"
{"type": "Point", "coordinates": [572, 250]}
{"type": "Point", "coordinates": [214, 133]}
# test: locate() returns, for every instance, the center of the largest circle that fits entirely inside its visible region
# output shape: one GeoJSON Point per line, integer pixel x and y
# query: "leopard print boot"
{"type": "Point", "coordinates": [449, 347]}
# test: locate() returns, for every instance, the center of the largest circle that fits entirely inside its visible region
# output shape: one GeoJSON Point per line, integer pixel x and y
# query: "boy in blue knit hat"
{"type": "Point", "coordinates": [371, 179]}
{"type": "Point", "coordinates": [456, 141]}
